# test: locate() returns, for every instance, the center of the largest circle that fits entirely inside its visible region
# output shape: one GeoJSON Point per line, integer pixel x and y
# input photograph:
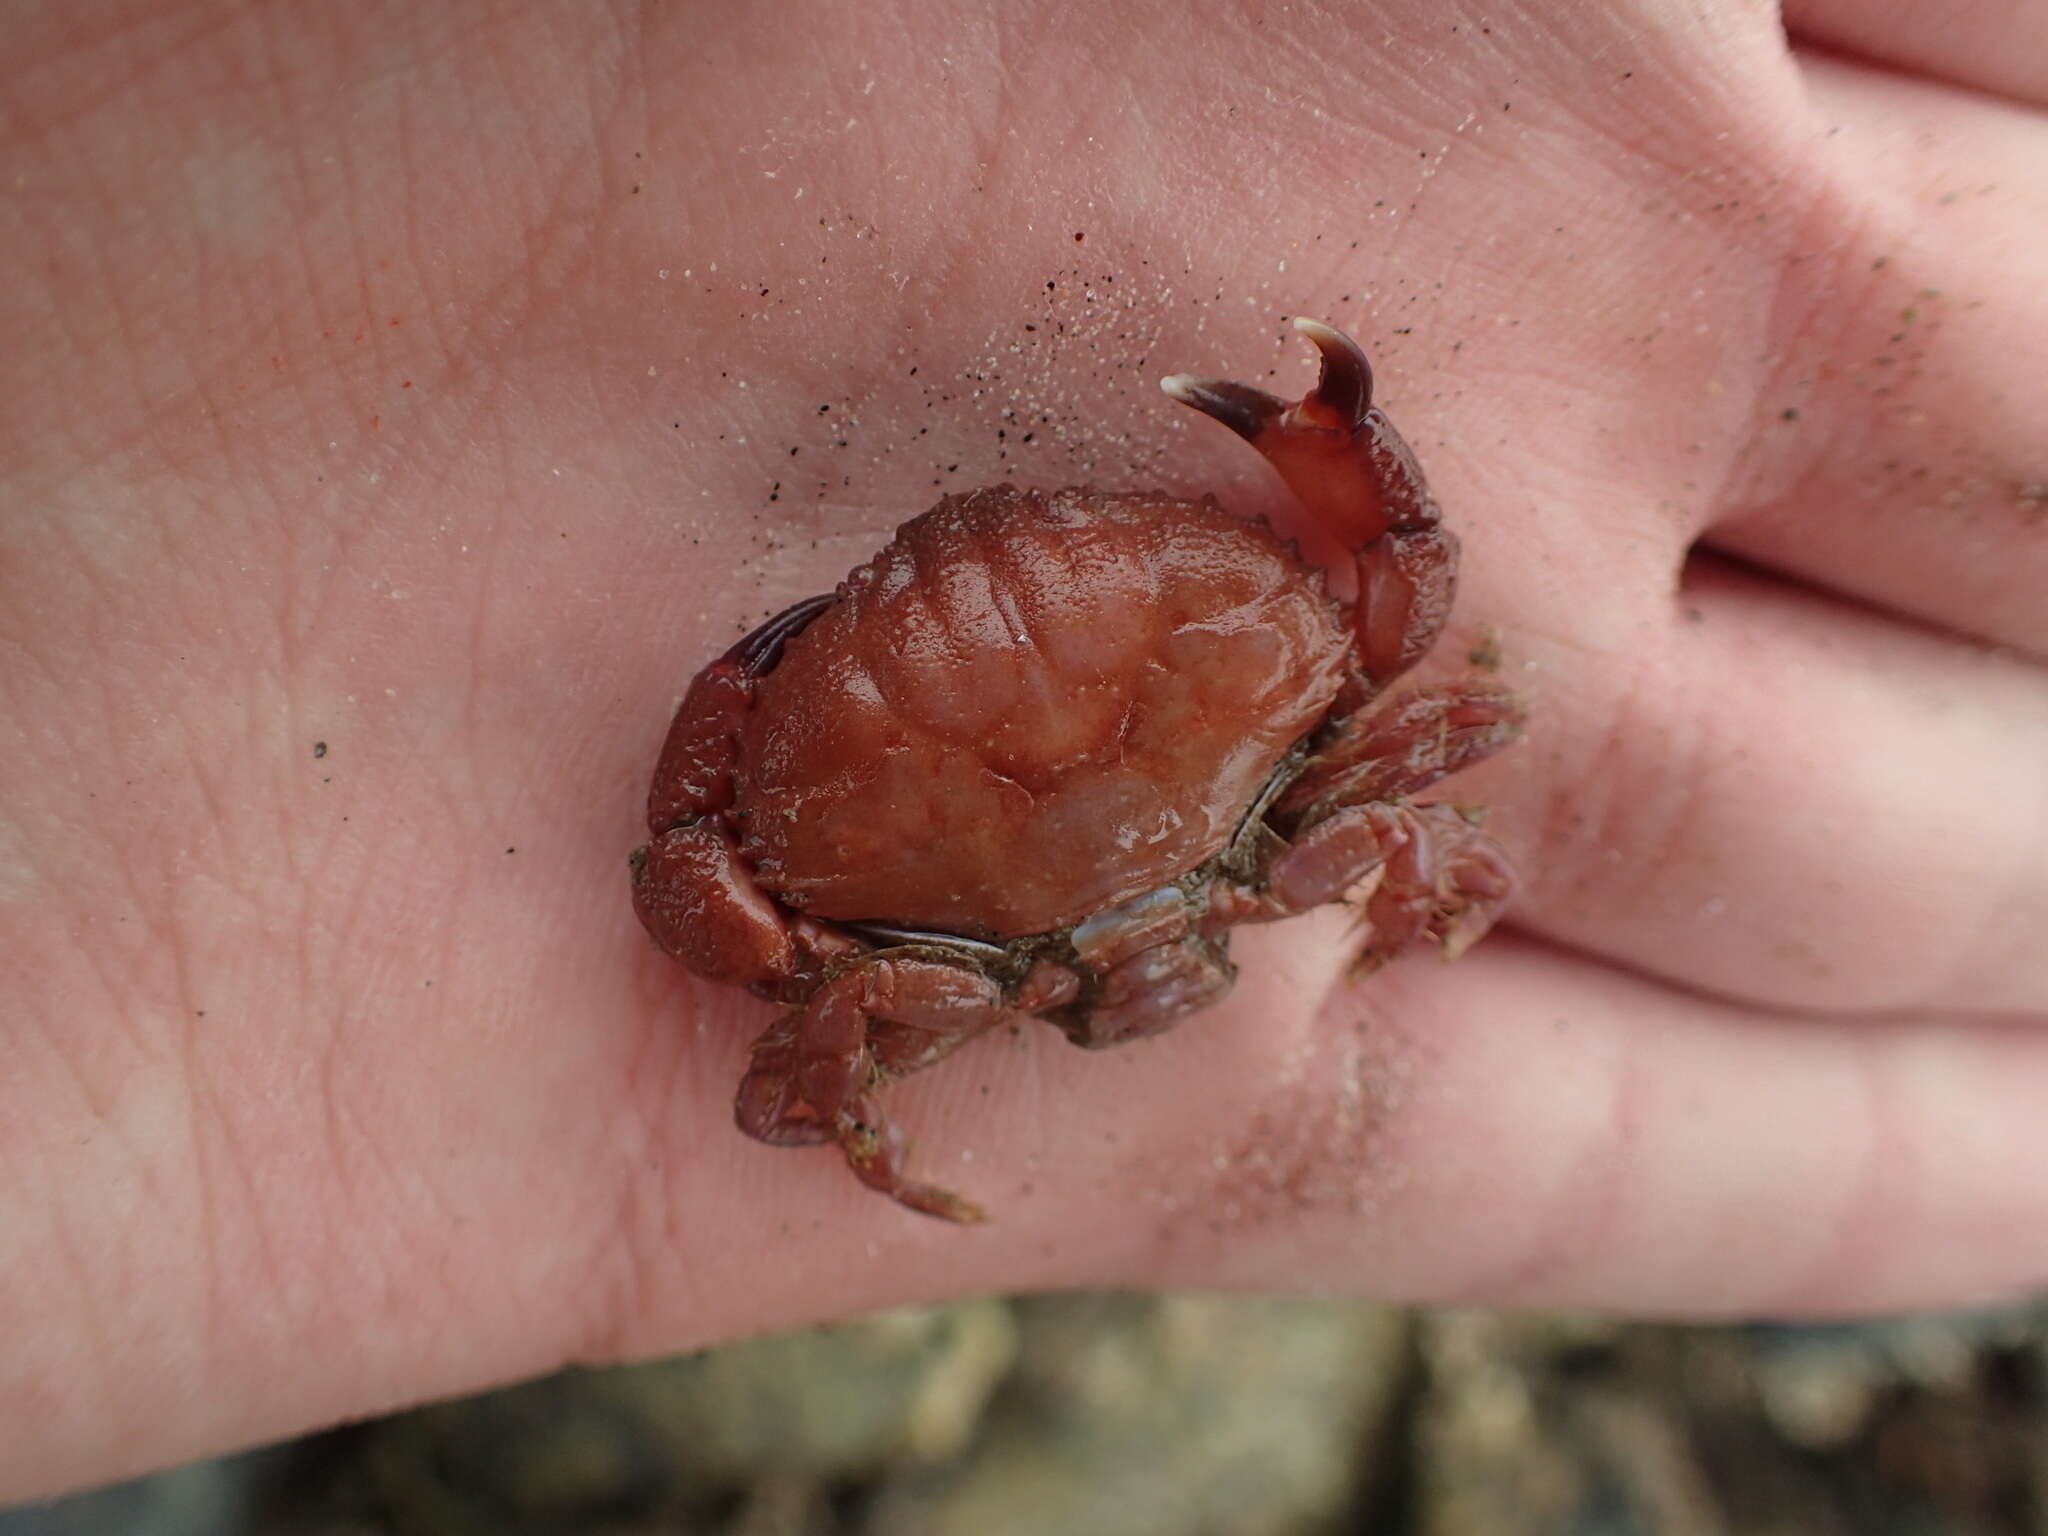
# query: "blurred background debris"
{"type": "Point", "coordinates": [1183, 1415]}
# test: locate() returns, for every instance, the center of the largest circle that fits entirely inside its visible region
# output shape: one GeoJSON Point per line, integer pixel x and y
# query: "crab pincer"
{"type": "Point", "coordinates": [1359, 481]}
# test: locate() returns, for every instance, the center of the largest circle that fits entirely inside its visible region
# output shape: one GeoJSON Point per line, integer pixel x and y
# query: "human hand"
{"type": "Point", "coordinates": [444, 388]}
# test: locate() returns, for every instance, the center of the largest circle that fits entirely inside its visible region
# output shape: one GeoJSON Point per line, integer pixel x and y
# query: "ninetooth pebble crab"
{"type": "Point", "coordinates": [1038, 756]}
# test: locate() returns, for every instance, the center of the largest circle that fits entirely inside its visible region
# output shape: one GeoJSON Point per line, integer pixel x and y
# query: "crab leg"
{"type": "Point", "coordinates": [815, 1074]}
{"type": "Point", "coordinates": [1402, 747]}
{"type": "Point", "coordinates": [1359, 481]}
{"type": "Point", "coordinates": [1419, 871]}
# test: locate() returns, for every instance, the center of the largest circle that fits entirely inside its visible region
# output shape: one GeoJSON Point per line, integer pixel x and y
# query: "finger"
{"type": "Point", "coordinates": [1519, 1127]}
{"type": "Point", "coordinates": [1774, 796]}
{"type": "Point", "coordinates": [1524, 1129]}
{"type": "Point", "coordinates": [1901, 456]}
{"type": "Point", "coordinates": [1988, 45]}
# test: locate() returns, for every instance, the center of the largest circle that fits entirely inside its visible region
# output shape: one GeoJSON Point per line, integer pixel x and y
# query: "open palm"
{"type": "Point", "coordinates": [397, 412]}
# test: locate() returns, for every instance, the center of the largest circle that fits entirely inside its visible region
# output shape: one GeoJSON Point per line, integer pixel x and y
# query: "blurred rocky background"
{"type": "Point", "coordinates": [1180, 1415]}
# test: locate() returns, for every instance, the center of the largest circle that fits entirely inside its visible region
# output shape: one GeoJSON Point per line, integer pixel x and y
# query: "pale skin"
{"type": "Point", "coordinates": [395, 418]}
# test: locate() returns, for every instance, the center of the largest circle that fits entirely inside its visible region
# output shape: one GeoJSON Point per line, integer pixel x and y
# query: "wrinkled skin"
{"type": "Point", "coordinates": [1041, 754]}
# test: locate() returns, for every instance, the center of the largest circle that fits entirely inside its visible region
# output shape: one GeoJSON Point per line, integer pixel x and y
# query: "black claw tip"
{"type": "Point", "coordinates": [1243, 409]}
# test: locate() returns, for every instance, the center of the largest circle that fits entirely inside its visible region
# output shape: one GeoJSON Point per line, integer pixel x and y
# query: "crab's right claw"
{"type": "Point", "coordinates": [1337, 405]}
{"type": "Point", "coordinates": [1246, 411]}
{"type": "Point", "coordinates": [1343, 394]}
{"type": "Point", "coordinates": [1360, 484]}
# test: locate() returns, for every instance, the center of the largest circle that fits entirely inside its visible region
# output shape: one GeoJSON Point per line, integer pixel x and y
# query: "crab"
{"type": "Point", "coordinates": [1040, 755]}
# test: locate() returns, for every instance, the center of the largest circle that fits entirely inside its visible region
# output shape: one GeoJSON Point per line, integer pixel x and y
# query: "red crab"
{"type": "Point", "coordinates": [1038, 756]}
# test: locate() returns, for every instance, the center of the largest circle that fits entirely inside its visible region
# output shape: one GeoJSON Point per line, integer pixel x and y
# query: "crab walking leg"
{"type": "Point", "coordinates": [1439, 876]}
{"type": "Point", "coordinates": [1347, 819]}
{"type": "Point", "coordinates": [1359, 479]}
{"type": "Point", "coordinates": [1404, 746]}
{"type": "Point", "coordinates": [814, 1075]}
{"type": "Point", "coordinates": [1426, 871]}
{"type": "Point", "coordinates": [770, 1108]}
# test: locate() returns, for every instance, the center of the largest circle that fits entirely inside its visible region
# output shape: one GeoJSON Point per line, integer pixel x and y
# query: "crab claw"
{"type": "Point", "coordinates": [1362, 489]}
{"type": "Point", "coordinates": [1337, 451]}
{"type": "Point", "coordinates": [1338, 403]}
{"type": "Point", "coordinates": [1245, 410]}
{"type": "Point", "coordinates": [1344, 392]}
